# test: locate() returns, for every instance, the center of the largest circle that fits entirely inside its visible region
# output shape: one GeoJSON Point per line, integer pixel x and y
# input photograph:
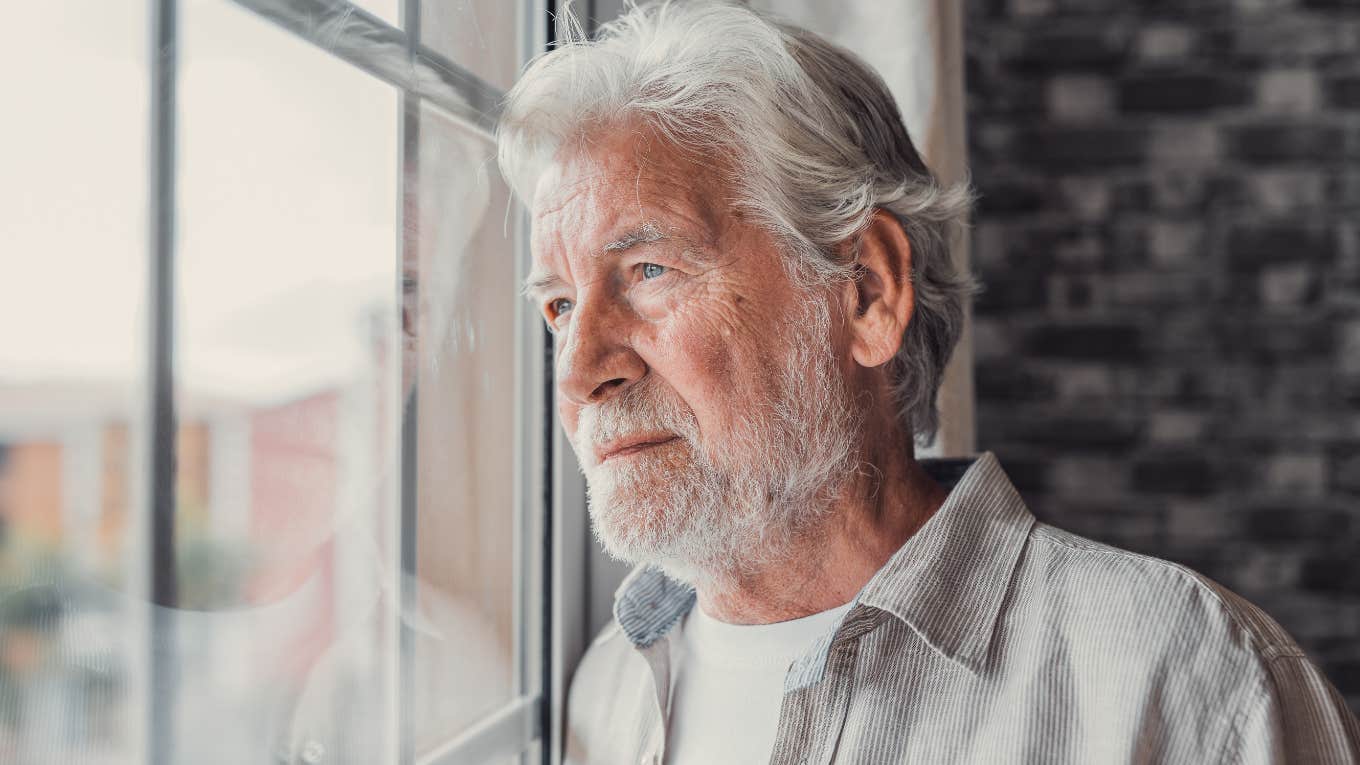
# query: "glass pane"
{"type": "Point", "coordinates": [465, 351]}
{"type": "Point", "coordinates": [480, 35]}
{"type": "Point", "coordinates": [73, 230]}
{"type": "Point", "coordinates": [286, 391]}
{"type": "Point", "coordinates": [387, 10]}
{"type": "Point", "coordinates": [289, 391]}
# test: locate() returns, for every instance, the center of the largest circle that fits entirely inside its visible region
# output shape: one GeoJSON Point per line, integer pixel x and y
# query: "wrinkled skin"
{"type": "Point", "coordinates": [649, 276]}
{"type": "Point", "coordinates": [703, 327]}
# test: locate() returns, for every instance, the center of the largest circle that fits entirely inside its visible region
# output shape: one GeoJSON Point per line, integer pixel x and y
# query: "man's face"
{"type": "Point", "coordinates": [702, 390]}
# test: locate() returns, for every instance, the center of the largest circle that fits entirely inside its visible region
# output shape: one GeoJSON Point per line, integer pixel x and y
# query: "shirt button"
{"type": "Point", "coordinates": [313, 752]}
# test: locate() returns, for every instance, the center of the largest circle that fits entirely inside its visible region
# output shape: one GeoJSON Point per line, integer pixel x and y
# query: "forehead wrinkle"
{"type": "Point", "coordinates": [562, 202]}
{"type": "Point", "coordinates": [672, 197]}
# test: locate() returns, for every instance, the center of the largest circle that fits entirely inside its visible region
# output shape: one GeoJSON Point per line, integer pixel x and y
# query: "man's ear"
{"type": "Point", "coordinates": [883, 293]}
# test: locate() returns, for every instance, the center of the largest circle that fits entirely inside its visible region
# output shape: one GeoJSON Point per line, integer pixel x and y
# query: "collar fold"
{"type": "Point", "coordinates": [947, 582]}
{"type": "Point", "coordinates": [648, 604]}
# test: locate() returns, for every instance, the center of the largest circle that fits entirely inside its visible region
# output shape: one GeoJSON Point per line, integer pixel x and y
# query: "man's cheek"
{"type": "Point", "coordinates": [707, 329]}
{"type": "Point", "coordinates": [704, 377]}
{"type": "Point", "coordinates": [691, 355]}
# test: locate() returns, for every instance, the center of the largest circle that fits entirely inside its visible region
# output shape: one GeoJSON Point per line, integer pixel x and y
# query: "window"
{"type": "Point", "coordinates": [274, 436]}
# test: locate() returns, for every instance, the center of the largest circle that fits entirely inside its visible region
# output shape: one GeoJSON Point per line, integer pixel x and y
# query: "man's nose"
{"type": "Point", "coordinates": [597, 361]}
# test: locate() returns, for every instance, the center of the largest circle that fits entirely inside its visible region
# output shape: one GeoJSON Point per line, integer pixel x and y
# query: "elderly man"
{"type": "Point", "coordinates": [746, 266]}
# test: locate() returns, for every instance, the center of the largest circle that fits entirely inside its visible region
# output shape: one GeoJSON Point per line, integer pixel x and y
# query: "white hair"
{"type": "Point", "coordinates": [811, 135]}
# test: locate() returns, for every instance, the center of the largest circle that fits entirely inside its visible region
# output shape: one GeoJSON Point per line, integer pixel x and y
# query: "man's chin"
{"type": "Point", "coordinates": [631, 481]}
{"type": "Point", "coordinates": [633, 521]}
{"type": "Point", "coordinates": [630, 515]}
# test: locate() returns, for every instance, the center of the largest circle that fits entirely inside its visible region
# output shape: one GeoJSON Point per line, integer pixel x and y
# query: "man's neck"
{"type": "Point", "coordinates": [874, 516]}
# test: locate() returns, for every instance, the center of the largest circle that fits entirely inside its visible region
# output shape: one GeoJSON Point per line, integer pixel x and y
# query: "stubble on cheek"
{"type": "Point", "coordinates": [710, 351]}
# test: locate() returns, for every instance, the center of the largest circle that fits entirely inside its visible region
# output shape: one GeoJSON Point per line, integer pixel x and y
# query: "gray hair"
{"type": "Point", "coordinates": [815, 141]}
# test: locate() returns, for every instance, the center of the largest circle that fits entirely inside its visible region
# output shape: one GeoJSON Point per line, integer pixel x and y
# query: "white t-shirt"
{"type": "Point", "coordinates": [728, 685]}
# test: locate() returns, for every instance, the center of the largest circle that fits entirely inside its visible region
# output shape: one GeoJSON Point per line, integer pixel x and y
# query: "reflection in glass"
{"type": "Point", "coordinates": [300, 335]}
{"type": "Point", "coordinates": [465, 432]}
{"type": "Point", "coordinates": [286, 377]}
{"type": "Point", "coordinates": [476, 34]}
{"type": "Point", "coordinates": [73, 212]}
{"type": "Point", "coordinates": [387, 10]}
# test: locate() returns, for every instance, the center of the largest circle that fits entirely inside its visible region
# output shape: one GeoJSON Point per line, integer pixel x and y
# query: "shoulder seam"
{"type": "Point", "coordinates": [1232, 737]}
{"type": "Point", "coordinates": [1195, 579]}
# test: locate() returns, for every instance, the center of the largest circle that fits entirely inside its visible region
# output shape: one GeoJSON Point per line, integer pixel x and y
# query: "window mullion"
{"type": "Point", "coordinates": [385, 52]}
{"type": "Point", "coordinates": [161, 654]}
{"type": "Point", "coordinates": [408, 252]}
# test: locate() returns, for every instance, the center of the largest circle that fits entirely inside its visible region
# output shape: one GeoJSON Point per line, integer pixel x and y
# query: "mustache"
{"type": "Point", "coordinates": [638, 408]}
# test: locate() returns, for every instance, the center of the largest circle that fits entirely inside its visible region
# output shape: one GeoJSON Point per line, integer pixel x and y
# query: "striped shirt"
{"type": "Point", "coordinates": [991, 638]}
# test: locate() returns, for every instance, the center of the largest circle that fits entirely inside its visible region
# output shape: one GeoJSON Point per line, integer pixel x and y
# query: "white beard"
{"type": "Point", "coordinates": [712, 515]}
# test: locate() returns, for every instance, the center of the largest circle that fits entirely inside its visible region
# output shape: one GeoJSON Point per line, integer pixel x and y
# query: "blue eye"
{"type": "Point", "coordinates": [559, 306]}
{"type": "Point", "coordinates": [652, 270]}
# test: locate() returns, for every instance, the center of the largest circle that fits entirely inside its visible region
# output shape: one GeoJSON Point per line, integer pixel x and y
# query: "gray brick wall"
{"type": "Point", "coordinates": [1168, 345]}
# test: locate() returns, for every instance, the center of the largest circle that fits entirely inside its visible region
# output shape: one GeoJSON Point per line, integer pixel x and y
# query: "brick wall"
{"type": "Point", "coordinates": [1168, 347]}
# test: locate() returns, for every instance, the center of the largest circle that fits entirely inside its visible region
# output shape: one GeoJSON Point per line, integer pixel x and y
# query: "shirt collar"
{"type": "Point", "coordinates": [648, 604]}
{"type": "Point", "coordinates": [946, 582]}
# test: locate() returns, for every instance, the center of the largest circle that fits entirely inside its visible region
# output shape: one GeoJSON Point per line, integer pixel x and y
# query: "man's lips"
{"type": "Point", "coordinates": [631, 445]}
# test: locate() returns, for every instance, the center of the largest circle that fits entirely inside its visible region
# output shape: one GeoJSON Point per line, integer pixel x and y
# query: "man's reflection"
{"type": "Point", "coordinates": [285, 642]}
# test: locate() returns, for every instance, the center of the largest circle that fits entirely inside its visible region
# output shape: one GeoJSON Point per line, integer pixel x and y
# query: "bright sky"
{"type": "Point", "coordinates": [288, 199]}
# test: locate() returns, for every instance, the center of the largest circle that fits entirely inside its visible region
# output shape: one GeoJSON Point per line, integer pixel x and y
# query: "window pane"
{"type": "Point", "coordinates": [287, 373]}
{"type": "Point", "coordinates": [73, 230]}
{"type": "Point", "coordinates": [480, 35]}
{"type": "Point", "coordinates": [289, 391]}
{"type": "Point", "coordinates": [387, 10]}
{"type": "Point", "coordinates": [466, 433]}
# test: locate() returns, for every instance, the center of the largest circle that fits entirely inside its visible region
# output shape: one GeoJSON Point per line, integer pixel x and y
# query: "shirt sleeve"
{"type": "Point", "coordinates": [1295, 716]}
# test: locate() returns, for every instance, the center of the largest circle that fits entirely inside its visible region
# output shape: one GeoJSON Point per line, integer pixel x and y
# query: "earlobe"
{"type": "Point", "coordinates": [884, 295]}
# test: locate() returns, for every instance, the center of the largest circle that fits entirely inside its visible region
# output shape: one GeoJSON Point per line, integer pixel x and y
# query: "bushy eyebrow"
{"type": "Point", "coordinates": [539, 282]}
{"type": "Point", "coordinates": [646, 233]}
